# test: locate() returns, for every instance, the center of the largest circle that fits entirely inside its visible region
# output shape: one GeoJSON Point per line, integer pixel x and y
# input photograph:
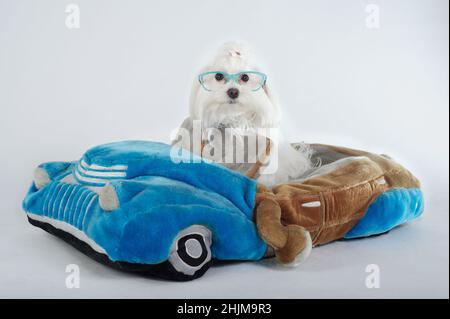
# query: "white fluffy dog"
{"type": "Point", "coordinates": [232, 98]}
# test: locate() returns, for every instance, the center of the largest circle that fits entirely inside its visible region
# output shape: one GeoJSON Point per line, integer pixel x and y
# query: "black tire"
{"type": "Point", "coordinates": [190, 254]}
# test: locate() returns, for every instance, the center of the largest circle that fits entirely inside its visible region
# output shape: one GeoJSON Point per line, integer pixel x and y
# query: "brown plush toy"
{"type": "Point", "coordinates": [328, 203]}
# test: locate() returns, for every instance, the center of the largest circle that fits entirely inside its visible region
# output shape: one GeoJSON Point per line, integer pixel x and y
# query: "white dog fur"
{"type": "Point", "coordinates": [251, 111]}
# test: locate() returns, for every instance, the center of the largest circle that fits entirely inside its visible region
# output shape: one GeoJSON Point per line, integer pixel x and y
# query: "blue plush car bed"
{"type": "Point", "coordinates": [172, 219]}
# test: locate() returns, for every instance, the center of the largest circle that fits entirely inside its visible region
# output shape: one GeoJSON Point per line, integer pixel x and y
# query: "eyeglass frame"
{"type": "Point", "coordinates": [233, 77]}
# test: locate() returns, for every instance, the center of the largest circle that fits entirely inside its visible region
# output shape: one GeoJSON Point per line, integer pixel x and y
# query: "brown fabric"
{"type": "Point", "coordinates": [272, 231]}
{"type": "Point", "coordinates": [328, 206]}
{"type": "Point", "coordinates": [287, 241]}
{"type": "Point", "coordinates": [396, 175]}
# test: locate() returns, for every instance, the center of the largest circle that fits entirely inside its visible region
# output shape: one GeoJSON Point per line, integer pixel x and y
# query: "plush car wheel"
{"type": "Point", "coordinates": [190, 253]}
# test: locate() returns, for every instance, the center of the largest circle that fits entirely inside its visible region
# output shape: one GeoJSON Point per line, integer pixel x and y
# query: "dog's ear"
{"type": "Point", "coordinates": [194, 108]}
{"type": "Point", "coordinates": [275, 104]}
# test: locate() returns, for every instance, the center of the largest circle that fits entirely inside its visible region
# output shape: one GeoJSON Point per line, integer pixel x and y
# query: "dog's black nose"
{"type": "Point", "coordinates": [233, 93]}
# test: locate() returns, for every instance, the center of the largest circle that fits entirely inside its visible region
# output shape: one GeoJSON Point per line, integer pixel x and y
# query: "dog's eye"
{"type": "Point", "coordinates": [219, 76]}
{"type": "Point", "coordinates": [244, 78]}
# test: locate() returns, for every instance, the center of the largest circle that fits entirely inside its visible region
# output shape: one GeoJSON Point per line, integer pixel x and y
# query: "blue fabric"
{"type": "Point", "coordinates": [155, 159]}
{"type": "Point", "coordinates": [390, 209]}
{"type": "Point", "coordinates": [56, 169]}
{"type": "Point", "coordinates": [157, 200]}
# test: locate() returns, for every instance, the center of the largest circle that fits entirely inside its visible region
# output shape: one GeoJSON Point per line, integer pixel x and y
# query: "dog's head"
{"type": "Point", "coordinates": [233, 92]}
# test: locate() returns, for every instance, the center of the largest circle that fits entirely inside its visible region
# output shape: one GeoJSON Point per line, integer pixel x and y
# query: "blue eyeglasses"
{"type": "Point", "coordinates": [216, 80]}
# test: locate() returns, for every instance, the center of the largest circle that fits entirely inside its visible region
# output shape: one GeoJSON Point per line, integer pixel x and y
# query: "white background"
{"type": "Point", "coordinates": [126, 74]}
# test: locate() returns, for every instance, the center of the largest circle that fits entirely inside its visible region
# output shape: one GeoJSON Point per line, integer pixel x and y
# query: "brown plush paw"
{"type": "Point", "coordinates": [297, 248]}
{"type": "Point", "coordinates": [292, 243]}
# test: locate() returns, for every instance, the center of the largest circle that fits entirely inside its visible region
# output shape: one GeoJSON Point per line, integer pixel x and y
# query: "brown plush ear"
{"type": "Point", "coordinates": [268, 221]}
